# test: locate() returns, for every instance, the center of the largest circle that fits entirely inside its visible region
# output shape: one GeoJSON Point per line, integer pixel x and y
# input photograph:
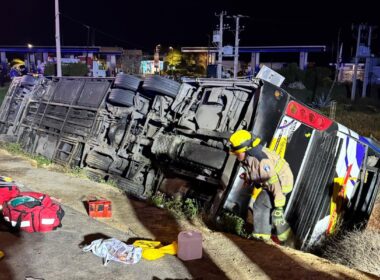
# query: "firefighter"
{"type": "Point", "coordinates": [266, 169]}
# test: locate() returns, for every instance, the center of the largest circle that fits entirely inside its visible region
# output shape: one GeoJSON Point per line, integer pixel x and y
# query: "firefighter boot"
{"type": "Point", "coordinates": [261, 236]}
{"type": "Point", "coordinates": [281, 226]}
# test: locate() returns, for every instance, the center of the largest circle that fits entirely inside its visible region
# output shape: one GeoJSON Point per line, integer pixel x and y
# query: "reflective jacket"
{"type": "Point", "coordinates": [268, 169]}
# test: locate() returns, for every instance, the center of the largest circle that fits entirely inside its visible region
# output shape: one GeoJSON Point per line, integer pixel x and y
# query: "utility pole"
{"type": "Point", "coordinates": [237, 40]}
{"type": "Point", "coordinates": [220, 44]}
{"type": "Point", "coordinates": [354, 77]}
{"type": "Point", "coordinates": [236, 55]}
{"type": "Point", "coordinates": [156, 59]}
{"type": "Point", "coordinates": [363, 51]}
{"type": "Point", "coordinates": [58, 40]}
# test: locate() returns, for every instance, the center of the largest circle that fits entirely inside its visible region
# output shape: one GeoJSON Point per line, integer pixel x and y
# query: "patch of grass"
{"type": "Point", "coordinates": [13, 148]}
{"type": "Point", "coordinates": [361, 118]}
{"type": "Point", "coordinates": [77, 172]}
{"type": "Point", "coordinates": [109, 182]}
{"type": "Point", "coordinates": [356, 249]}
{"type": "Point", "coordinates": [112, 183]}
{"type": "Point", "coordinates": [16, 149]}
{"type": "Point", "coordinates": [363, 121]}
{"type": "Point", "coordinates": [41, 160]}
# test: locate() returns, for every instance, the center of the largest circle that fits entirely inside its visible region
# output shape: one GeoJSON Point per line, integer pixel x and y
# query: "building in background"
{"type": "Point", "coordinates": [99, 60]}
{"type": "Point", "coordinates": [346, 72]}
{"type": "Point", "coordinates": [131, 61]}
{"type": "Point", "coordinates": [254, 53]}
{"type": "Point", "coordinates": [150, 67]}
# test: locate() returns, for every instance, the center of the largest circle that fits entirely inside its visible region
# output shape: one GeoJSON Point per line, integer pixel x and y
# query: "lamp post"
{"type": "Point", "coordinates": [156, 59]}
{"type": "Point", "coordinates": [171, 59]}
{"type": "Point", "coordinates": [30, 46]}
{"type": "Point", "coordinates": [58, 39]}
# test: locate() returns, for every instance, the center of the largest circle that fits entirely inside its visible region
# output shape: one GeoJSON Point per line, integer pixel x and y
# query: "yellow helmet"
{"type": "Point", "coordinates": [242, 141]}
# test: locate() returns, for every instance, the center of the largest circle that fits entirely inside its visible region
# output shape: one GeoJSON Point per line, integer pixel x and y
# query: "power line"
{"type": "Point", "coordinates": [88, 27]}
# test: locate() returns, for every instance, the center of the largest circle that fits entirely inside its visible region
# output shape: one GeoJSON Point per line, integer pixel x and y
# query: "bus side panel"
{"type": "Point", "coordinates": [270, 108]}
{"type": "Point", "coordinates": [290, 141]}
{"type": "Point", "coordinates": [310, 199]}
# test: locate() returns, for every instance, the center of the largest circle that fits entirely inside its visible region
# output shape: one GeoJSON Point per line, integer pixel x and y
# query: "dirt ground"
{"type": "Point", "coordinates": [374, 221]}
{"type": "Point", "coordinates": [225, 256]}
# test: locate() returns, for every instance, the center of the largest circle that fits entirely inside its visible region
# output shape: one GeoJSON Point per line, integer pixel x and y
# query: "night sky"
{"type": "Point", "coordinates": [144, 24]}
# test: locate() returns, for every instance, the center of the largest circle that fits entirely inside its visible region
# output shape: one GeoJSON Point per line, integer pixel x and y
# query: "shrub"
{"type": "Point", "coordinates": [177, 206]}
{"type": "Point", "coordinates": [233, 224]}
{"type": "Point", "coordinates": [317, 77]}
{"type": "Point", "coordinates": [322, 100]}
{"type": "Point", "coordinates": [292, 73]}
{"type": "Point", "coordinates": [69, 69]}
{"type": "Point", "coordinates": [174, 205]}
{"type": "Point", "coordinates": [190, 208]}
{"type": "Point", "coordinates": [158, 200]}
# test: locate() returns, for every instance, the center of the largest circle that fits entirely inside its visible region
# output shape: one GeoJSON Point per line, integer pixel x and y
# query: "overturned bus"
{"type": "Point", "coordinates": [157, 135]}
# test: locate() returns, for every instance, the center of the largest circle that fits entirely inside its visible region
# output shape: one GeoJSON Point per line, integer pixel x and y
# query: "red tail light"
{"type": "Point", "coordinates": [307, 116]}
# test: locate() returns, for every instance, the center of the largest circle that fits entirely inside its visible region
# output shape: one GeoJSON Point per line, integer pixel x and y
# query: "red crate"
{"type": "Point", "coordinates": [99, 208]}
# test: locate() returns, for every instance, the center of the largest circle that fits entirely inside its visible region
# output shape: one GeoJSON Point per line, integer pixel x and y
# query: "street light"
{"type": "Point", "coordinates": [156, 58]}
{"type": "Point", "coordinates": [171, 59]}
{"type": "Point", "coordinates": [30, 46]}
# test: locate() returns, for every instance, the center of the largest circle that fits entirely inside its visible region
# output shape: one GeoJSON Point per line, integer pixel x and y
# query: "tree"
{"type": "Point", "coordinates": [194, 64]}
{"type": "Point", "coordinates": [292, 73]}
{"type": "Point", "coordinates": [173, 58]}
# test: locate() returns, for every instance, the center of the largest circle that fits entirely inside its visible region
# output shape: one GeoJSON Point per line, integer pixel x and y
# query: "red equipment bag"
{"type": "Point", "coordinates": [8, 189]}
{"type": "Point", "coordinates": [33, 212]}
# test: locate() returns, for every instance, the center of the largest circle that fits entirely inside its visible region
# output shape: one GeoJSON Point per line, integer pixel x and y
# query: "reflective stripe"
{"type": "Point", "coordinates": [284, 236]}
{"type": "Point", "coordinates": [287, 189]}
{"type": "Point", "coordinates": [279, 202]}
{"type": "Point", "coordinates": [47, 221]}
{"type": "Point", "coordinates": [262, 236]}
{"type": "Point", "coordinates": [273, 179]}
{"type": "Point", "coordinates": [23, 223]}
{"type": "Point", "coordinates": [279, 165]}
{"type": "Point", "coordinates": [278, 213]}
{"type": "Point", "coordinates": [246, 143]}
